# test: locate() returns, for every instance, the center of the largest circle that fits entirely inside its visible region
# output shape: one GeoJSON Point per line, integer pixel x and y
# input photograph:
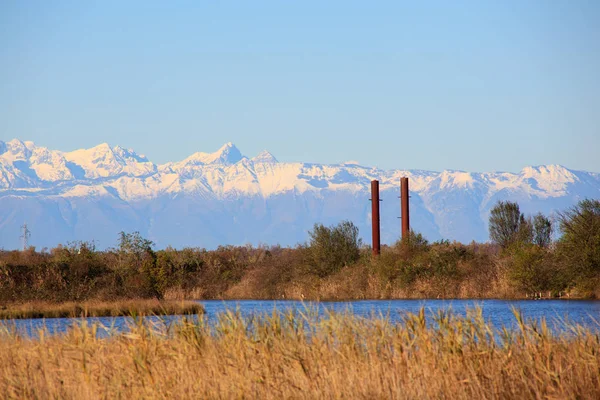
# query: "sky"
{"type": "Point", "coordinates": [435, 85]}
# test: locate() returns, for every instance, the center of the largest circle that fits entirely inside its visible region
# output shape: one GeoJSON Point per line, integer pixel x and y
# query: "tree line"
{"type": "Point", "coordinates": [536, 262]}
{"type": "Point", "coordinates": [521, 260]}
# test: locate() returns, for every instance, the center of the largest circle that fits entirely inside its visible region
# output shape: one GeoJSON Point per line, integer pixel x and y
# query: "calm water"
{"type": "Point", "coordinates": [497, 312]}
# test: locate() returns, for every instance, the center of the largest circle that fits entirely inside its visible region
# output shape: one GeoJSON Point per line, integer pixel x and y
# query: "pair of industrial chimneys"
{"type": "Point", "coordinates": [375, 212]}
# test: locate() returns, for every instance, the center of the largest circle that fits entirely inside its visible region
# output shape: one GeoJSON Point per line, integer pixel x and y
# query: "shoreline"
{"type": "Point", "coordinates": [345, 300]}
{"type": "Point", "coordinates": [132, 307]}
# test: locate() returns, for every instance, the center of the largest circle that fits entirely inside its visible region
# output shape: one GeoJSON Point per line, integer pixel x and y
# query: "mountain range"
{"type": "Point", "coordinates": [212, 199]}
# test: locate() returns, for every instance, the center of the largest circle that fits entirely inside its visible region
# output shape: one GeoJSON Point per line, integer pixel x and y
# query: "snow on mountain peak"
{"type": "Point", "coordinates": [550, 169]}
{"type": "Point", "coordinates": [25, 163]}
{"type": "Point", "coordinates": [227, 154]}
{"type": "Point", "coordinates": [15, 150]}
{"type": "Point", "coordinates": [264, 157]}
{"type": "Point", "coordinates": [552, 180]}
{"type": "Point", "coordinates": [129, 154]}
{"type": "Point", "coordinates": [450, 179]}
{"type": "Point", "coordinates": [102, 161]}
{"type": "Point", "coordinates": [97, 162]}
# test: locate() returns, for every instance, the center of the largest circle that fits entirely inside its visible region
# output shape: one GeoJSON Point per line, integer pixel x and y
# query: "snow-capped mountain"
{"type": "Point", "coordinates": [210, 199]}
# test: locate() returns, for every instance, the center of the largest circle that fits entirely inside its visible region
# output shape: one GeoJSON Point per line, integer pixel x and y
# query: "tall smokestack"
{"type": "Point", "coordinates": [375, 217]}
{"type": "Point", "coordinates": [404, 196]}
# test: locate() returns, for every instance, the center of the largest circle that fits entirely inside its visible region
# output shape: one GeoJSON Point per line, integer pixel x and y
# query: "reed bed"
{"type": "Point", "coordinates": [99, 309]}
{"type": "Point", "coordinates": [301, 355]}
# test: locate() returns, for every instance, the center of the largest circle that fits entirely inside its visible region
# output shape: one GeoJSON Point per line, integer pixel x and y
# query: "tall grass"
{"type": "Point", "coordinates": [300, 355]}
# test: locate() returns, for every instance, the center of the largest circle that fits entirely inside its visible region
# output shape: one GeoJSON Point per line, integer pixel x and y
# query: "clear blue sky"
{"type": "Point", "coordinates": [471, 85]}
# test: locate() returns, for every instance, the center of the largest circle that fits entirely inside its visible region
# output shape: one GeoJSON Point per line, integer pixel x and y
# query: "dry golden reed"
{"type": "Point", "coordinates": [38, 309]}
{"type": "Point", "coordinates": [304, 356]}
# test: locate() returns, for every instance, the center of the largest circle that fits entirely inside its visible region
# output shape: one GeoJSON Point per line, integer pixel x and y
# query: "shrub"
{"type": "Point", "coordinates": [415, 242]}
{"type": "Point", "coordinates": [528, 269]}
{"type": "Point", "coordinates": [330, 248]}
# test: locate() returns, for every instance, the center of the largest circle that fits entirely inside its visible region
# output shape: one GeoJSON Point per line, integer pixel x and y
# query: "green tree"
{"type": "Point", "coordinates": [529, 269]}
{"type": "Point", "coordinates": [542, 230]}
{"type": "Point", "coordinates": [579, 245]}
{"type": "Point", "coordinates": [133, 243]}
{"type": "Point", "coordinates": [131, 250]}
{"type": "Point", "coordinates": [137, 267]}
{"type": "Point", "coordinates": [507, 225]}
{"type": "Point", "coordinates": [155, 277]}
{"type": "Point", "coordinates": [330, 248]}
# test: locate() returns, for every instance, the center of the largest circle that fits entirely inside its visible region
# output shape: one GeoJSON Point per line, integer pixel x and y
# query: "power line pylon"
{"type": "Point", "coordinates": [25, 236]}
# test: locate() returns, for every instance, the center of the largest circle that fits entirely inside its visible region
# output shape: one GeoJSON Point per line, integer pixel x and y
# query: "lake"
{"type": "Point", "coordinates": [498, 312]}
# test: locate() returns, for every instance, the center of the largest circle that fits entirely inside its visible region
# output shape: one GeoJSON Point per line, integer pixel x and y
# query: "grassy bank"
{"type": "Point", "coordinates": [299, 356]}
{"type": "Point", "coordinates": [98, 309]}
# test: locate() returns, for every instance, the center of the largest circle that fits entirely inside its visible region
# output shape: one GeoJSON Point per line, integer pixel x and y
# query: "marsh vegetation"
{"type": "Point", "coordinates": [299, 355]}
